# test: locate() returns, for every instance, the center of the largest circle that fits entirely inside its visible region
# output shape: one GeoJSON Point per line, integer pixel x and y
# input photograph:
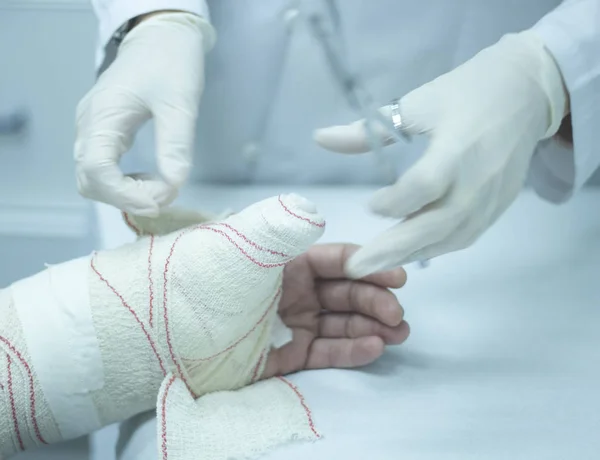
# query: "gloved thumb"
{"type": "Point", "coordinates": [354, 138]}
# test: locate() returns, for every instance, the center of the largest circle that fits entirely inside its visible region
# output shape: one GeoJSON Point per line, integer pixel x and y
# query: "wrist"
{"type": "Point", "coordinates": [143, 17]}
{"type": "Point", "coordinates": [181, 17]}
{"type": "Point", "coordinates": [126, 28]}
{"type": "Point", "coordinates": [550, 79]}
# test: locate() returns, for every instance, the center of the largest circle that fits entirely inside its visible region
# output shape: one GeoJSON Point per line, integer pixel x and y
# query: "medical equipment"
{"type": "Point", "coordinates": [357, 95]}
{"type": "Point", "coordinates": [327, 29]}
{"type": "Point", "coordinates": [325, 25]}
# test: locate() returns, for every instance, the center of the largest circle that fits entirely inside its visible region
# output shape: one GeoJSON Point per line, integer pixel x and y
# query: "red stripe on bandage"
{"type": "Point", "coordinates": [130, 224]}
{"type": "Point", "coordinates": [311, 423]}
{"type": "Point", "coordinates": [19, 356]}
{"type": "Point", "coordinates": [166, 314]}
{"type": "Point", "coordinates": [150, 283]}
{"type": "Point", "coordinates": [255, 375]}
{"type": "Point", "coordinates": [126, 305]}
{"type": "Point", "coordinates": [240, 249]}
{"type": "Point", "coordinates": [248, 240]}
{"type": "Point", "coordinates": [305, 219]}
{"type": "Point", "coordinates": [165, 298]}
{"type": "Point", "coordinates": [199, 361]}
{"type": "Point", "coordinates": [13, 407]}
{"type": "Point", "coordinates": [163, 414]}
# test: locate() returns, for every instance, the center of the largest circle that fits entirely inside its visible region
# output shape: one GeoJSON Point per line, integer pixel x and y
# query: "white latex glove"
{"type": "Point", "coordinates": [159, 73]}
{"type": "Point", "coordinates": [484, 120]}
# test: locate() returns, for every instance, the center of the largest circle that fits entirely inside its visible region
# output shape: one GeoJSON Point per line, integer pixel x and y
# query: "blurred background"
{"type": "Point", "coordinates": [46, 66]}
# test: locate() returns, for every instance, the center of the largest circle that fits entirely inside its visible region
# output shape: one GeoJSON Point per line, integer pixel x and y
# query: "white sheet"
{"type": "Point", "coordinates": [504, 356]}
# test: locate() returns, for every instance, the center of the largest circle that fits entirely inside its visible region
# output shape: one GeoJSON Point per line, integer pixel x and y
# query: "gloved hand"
{"type": "Point", "coordinates": [484, 120]}
{"type": "Point", "coordinates": [159, 73]}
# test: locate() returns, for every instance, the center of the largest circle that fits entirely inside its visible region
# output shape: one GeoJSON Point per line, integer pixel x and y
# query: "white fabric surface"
{"type": "Point", "coordinates": [205, 298]}
{"type": "Point", "coordinates": [223, 301]}
{"type": "Point", "coordinates": [230, 425]}
{"type": "Point", "coordinates": [57, 300]}
{"type": "Point", "coordinates": [503, 357]}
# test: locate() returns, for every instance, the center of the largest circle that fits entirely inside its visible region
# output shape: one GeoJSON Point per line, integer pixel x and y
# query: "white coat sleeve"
{"type": "Point", "coordinates": [571, 32]}
{"type": "Point", "coordinates": [112, 14]}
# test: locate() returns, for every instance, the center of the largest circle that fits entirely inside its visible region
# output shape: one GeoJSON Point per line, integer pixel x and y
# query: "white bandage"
{"type": "Point", "coordinates": [230, 425]}
{"type": "Point", "coordinates": [54, 309]}
{"type": "Point", "coordinates": [103, 333]}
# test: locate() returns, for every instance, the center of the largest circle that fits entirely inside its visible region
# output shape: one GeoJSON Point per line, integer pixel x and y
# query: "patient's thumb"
{"type": "Point", "coordinates": [286, 224]}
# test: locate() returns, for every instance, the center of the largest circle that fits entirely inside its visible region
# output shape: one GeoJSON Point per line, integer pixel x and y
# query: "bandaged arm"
{"type": "Point", "coordinates": [179, 320]}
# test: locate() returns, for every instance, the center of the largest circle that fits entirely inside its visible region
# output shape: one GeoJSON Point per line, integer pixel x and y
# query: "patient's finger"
{"type": "Point", "coordinates": [328, 260]}
{"type": "Point", "coordinates": [360, 297]}
{"type": "Point", "coordinates": [291, 357]}
{"type": "Point", "coordinates": [355, 326]}
{"type": "Point", "coordinates": [344, 353]}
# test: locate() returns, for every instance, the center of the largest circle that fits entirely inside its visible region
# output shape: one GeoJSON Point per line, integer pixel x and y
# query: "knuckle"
{"type": "Point", "coordinates": [352, 327]}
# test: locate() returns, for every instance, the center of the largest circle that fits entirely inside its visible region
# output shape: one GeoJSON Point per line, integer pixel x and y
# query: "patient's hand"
{"type": "Point", "coordinates": [336, 322]}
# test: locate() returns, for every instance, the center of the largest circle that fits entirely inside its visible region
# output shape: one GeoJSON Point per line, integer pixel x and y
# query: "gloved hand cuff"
{"type": "Point", "coordinates": [209, 35]}
{"type": "Point", "coordinates": [114, 15]}
{"type": "Point", "coordinates": [550, 80]}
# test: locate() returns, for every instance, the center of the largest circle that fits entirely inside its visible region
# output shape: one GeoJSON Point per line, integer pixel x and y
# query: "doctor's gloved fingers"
{"type": "Point", "coordinates": [353, 326]}
{"type": "Point", "coordinates": [344, 353]}
{"type": "Point", "coordinates": [426, 182]}
{"type": "Point", "coordinates": [463, 237]}
{"type": "Point", "coordinates": [110, 186]}
{"type": "Point", "coordinates": [392, 248]}
{"type": "Point", "coordinates": [345, 296]}
{"type": "Point", "coordinates": [354, 137]}
{"type": "Point", "coordinates": [327, 261]}
{"type": "Point", "coordinates": [175, 136]}
{"type": "Point", "coordinates": [475, 217]}
{"type": "Point", "coordinates": [163, 193]}
{"type": "Point", "coordinates": [454, 243]}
